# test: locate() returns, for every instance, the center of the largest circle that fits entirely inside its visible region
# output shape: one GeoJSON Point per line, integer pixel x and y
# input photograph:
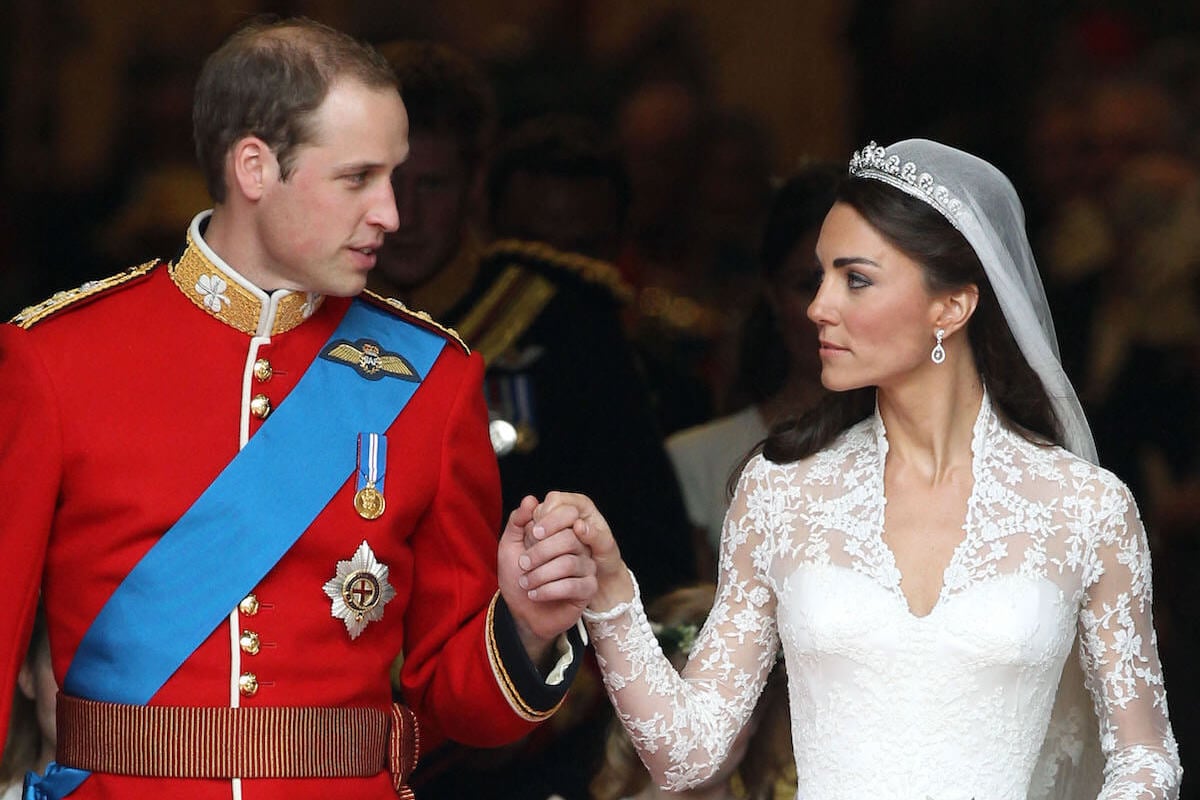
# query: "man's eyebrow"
{"type": "Point", "coordinates": [359, 166]}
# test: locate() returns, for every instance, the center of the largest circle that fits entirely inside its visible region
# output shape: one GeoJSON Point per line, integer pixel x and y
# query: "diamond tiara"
{"type": "Point", "coordinates": [873, 162]}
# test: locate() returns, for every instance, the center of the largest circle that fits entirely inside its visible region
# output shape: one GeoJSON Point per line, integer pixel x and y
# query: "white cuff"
{"type": "Point", "coordinates": [566, 656]}
{"type": "Point", "coordinates": [619, 609]}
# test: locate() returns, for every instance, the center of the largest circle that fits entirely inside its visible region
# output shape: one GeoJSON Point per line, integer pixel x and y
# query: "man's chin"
{"type": "Point", "coordinates": [351, 286]}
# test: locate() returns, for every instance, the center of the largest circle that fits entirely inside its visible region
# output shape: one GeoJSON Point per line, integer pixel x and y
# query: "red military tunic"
{"type": "Point", "coordinates": [121, 402]}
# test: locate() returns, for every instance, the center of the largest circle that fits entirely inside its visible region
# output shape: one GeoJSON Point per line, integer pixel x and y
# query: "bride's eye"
{"type": "Point", "coordinates": [856, 280]}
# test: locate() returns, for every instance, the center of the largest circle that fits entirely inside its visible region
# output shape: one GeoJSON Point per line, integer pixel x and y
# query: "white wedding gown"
{"type": "Point", "coordinates": [887, 705]}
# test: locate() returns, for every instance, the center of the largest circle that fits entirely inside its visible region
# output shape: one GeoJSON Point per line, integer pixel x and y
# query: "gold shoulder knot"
{"type": "Point", "coordinates": [61, 300]}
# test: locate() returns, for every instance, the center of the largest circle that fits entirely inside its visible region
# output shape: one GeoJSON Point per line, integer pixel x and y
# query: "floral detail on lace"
{"type": "Point", "coordinates": [964, 702]}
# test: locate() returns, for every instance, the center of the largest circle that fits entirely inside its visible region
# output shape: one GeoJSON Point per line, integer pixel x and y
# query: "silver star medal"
{"type": "Point", "coordinates": [359, 590]}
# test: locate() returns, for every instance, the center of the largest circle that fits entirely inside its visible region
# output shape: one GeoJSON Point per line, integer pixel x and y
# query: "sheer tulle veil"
{"type": "Point", "coordinates": [981, 203]}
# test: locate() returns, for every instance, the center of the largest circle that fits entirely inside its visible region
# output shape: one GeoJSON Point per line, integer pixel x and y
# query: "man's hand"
{"type": "Point", "coordinates": [546, 586]}
{"type": "Point", "coordinates": [577, 513]}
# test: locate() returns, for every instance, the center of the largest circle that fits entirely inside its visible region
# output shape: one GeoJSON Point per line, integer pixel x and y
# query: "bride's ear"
{"type": "Point", "coordinates": [955, 308]}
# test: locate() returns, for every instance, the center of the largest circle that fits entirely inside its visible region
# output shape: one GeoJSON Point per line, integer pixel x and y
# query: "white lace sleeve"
{"type": "Point", "coordinates": [1119, 655]}
{"type": "Point", "coordinates": [682, 725]}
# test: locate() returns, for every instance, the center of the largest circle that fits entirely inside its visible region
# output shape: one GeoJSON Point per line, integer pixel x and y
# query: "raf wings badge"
{"type": "Point", "coordinates": [370, 360]}
{"type": "Point", "coordinates": [359, 590]}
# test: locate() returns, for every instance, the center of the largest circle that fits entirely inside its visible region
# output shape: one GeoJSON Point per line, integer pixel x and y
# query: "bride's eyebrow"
{"type": "Point", "coordinates": [852, 260]}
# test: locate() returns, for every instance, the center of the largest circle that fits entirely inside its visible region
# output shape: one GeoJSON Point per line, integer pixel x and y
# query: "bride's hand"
{"type": "Point", "coordinates": [560, 510]}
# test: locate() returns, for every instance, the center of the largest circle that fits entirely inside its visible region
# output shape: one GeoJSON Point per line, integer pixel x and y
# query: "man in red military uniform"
{"type": "Point", "coordinates": [242, 489]}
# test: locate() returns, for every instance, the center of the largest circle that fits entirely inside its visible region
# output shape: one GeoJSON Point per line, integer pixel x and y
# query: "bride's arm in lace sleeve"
{"type": "Point", "coordinates": [1120, 655]}
{"type": "Point", "coordinates": [682, 725]}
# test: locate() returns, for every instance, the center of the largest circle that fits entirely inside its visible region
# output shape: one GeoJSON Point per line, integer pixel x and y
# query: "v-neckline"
{"type": "Point", "coordinates": [892, 568]}
{"type": "Point", "coordinates": [897, 584]}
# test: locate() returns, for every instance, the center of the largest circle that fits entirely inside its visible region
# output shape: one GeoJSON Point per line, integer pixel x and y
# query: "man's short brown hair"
{"type": "Point", "coordinates": [266, 80]}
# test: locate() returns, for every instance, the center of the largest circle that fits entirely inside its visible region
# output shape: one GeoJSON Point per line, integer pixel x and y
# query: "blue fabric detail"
{"type": "Point", "coordinates": [58, 782]}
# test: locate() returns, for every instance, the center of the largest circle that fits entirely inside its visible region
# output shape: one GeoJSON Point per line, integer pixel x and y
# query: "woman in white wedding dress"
{"type": "Point", "coordinates": [934, 548]}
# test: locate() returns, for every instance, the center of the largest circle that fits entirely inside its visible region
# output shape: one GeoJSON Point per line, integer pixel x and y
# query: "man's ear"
{"type": "Point", "coordinates": [252, 166]}
{"type": "Point", "coordinates": [956, 308]}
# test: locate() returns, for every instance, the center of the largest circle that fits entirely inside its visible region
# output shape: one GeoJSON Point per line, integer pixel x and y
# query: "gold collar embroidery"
{"type": "Point", "coordinates": [212, 289]}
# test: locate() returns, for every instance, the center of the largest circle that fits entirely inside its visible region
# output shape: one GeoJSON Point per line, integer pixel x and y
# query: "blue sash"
{"type": "Point", "coordinates": [242, 524]}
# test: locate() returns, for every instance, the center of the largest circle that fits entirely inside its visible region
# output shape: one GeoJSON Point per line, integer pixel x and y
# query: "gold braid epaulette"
{"type": "Point", "coordinates": [60, 300]}
{"type": "Point", "coordinates": [422, 317]}
{"type": "Point", "coordinates": [592, 270]}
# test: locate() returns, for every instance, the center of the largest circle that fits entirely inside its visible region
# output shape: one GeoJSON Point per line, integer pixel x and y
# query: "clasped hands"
{"type": "Point", "coordinates": [558, 557]}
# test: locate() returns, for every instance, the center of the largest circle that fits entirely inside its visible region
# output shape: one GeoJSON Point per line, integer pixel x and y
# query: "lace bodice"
{"type": "Point", "coordinates": [953, 705]}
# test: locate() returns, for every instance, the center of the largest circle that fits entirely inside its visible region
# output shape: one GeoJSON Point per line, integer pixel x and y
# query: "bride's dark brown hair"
{"type": "Point", "coordinates": [949, 262]}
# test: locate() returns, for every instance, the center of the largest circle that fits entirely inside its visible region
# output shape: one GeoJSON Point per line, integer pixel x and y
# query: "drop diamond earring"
{"type": "Point", "coordinates": [939, 353]}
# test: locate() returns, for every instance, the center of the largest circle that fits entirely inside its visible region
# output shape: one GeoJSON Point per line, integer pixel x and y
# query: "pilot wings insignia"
{"type": "Point", "coordinates": [370, 360]}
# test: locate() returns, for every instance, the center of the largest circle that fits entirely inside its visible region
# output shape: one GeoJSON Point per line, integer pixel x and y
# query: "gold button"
{"type": "Point", "coordinates": [263, 370]}
{"type": "Point", "coordinates": [248, 684]}
{"type": "Point", "coordinates": [260, 406]}
{"type": "Point", "coordinates": [249, 642]}
{"type": "Point", "coordinates": [249, 606]}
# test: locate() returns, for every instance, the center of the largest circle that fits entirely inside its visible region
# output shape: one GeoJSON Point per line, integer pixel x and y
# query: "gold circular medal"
{"type": "Point", "coordinates": [369, 503]}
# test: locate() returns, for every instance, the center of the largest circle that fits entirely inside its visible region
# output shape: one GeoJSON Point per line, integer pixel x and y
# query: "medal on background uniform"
{"type": "Point", "coordinates": [369, 501]}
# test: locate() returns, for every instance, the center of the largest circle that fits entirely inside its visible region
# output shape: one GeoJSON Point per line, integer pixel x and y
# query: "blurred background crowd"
{"type": "Point", "coordinates": [709, 135]}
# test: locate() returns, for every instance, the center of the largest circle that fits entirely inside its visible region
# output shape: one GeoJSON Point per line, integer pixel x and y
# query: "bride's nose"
{"type": "Point", "coordinates": [820, 310]}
